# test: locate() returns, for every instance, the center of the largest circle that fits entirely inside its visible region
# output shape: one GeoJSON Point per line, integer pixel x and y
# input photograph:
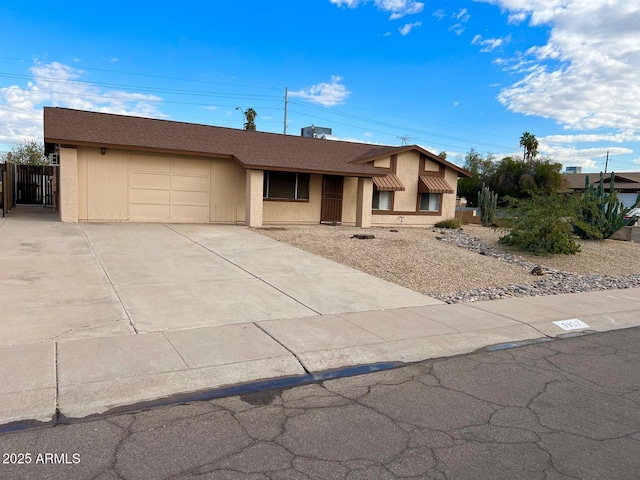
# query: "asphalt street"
{"type": "Point", "coordinates": [557, 410]}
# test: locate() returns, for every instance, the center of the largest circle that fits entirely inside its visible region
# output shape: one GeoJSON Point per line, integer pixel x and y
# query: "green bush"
{"type": "Point", "coordinates": [541, 225]}
{"type": "Point", "coordinates": [452, 223]}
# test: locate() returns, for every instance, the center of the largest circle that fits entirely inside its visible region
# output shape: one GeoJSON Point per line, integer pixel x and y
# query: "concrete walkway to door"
{"type": "Point", "coordinates": [101, 316]}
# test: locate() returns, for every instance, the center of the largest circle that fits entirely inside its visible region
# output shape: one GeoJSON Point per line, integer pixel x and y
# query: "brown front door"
{"type": "Point", "coordinates": [331, 210]}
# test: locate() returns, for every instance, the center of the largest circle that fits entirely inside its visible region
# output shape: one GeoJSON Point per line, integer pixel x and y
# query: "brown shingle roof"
{"type": "Point", "coordinates": [623, 180]}
{"type": "Point", "coordinates": [252, 149]}
{"type": "Point", "coordinates": [260, 150]}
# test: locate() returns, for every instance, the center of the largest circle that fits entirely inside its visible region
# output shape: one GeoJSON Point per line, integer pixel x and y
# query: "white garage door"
{"type": "Point", "coordinates": [628, 199]}
{"type": "Point", "coordinates": [168, 189]}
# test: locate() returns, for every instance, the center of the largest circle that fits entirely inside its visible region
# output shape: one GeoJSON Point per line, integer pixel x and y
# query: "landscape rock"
{"type": "Point", "coordinates": [555, 282]}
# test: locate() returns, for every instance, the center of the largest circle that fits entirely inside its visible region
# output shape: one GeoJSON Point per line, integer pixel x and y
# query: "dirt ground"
{"type": "Point", "coordinates": [414, 258]}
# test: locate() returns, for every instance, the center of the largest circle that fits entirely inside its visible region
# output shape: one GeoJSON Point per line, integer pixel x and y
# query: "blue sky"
{"type": "Point", "coordinates": [442, 74]}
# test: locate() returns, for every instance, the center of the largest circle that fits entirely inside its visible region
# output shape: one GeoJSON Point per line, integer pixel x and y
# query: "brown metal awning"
{"type": "Point", "coordinates": [434, 185]}
{"type": "Point", "coordinates": [388, 183]}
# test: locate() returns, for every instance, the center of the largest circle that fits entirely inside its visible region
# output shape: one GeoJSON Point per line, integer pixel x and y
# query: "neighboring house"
{"type": "Point", "coordinates": [122, 168]}
{"type": "Point", "coordinates": [626, 184]}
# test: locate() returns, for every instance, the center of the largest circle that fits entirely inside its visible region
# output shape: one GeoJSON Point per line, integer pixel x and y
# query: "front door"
{"type": "Point", "coordinates": [331, 210]}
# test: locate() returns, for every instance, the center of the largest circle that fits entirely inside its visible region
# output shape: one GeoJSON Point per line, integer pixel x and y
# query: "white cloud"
{"type": "Point", "coordinates": [457, 28]}
{"type": "Point", "coordinates": [626, 136]}
{"type": "Point", "coordinates": [439, 14]}
{"type": "Point", "coordinates": [406, 29]}
{"type": "Point", "coordinates": [455, 104]}
{"type": "Point", "coordinates": [581, 157]}
{"type": "Point", "coordinates": [346, 3]}
{"type": "Point", "coordinates": [585, 76]}
{"type": "Point", "coordinates": [59, 85]}
{"type": "Point", "coordinates": [397, 8]}
{"type": "Point", "coordinates": [637, 160]}
{"type": "Point", "coordinates": [326, 94]}
{"type": "Point", "coordinates": [462, 16]}
{"type": "Point", "coordinates": [516, 18]}
{"type": "Point", "coordinates": [490, 44]}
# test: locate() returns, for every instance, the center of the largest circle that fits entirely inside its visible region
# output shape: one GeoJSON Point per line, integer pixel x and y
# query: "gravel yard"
{"type": "Point", "coordinates": [444, 264]}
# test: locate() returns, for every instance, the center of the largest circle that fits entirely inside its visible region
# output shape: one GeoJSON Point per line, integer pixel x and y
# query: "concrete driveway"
{"type": "Point", "coordinates": [63, 281]}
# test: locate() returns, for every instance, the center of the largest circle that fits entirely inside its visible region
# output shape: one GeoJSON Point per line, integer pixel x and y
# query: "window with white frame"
{"type": "Point", "coordinates": [286, 186]}
{"type": "Point", "coordinates": [430, 202]}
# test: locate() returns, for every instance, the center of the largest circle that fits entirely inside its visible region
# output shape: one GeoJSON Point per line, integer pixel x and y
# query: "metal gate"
{"type": "Point", "coordinates": [34, 185]}
{"type": "Point", "coordinates": [331, 207]}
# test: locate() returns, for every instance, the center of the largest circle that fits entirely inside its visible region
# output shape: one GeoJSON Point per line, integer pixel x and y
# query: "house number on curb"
{"type": "Point", "coordinates": [571, 324]}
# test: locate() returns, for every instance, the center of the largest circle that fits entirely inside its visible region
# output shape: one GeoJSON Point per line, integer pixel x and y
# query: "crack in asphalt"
{"type": "Point", "coordinates": [524, 413]}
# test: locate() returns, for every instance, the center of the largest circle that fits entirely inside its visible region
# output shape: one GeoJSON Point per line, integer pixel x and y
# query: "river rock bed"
{"type": "Point", "coordinates": [553, 282]}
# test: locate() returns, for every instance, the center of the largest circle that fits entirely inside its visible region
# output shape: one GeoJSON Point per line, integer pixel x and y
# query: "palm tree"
{"type": "Point", "coordinates": [250, 115]}
{"type": "Point", "coordinates": [530, 144]}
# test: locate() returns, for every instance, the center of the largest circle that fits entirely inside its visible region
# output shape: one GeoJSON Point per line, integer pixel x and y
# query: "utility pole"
{"type": "Point", "coordinates": [286, 103]}
{"type": "Point", "coordinates": [606, 163]}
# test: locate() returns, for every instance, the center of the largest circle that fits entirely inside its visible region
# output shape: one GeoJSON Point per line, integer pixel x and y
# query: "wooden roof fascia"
{"type": "Point", "coordinates": [72, 144]}
{"type": "Point", "coordinates": [314, 172]}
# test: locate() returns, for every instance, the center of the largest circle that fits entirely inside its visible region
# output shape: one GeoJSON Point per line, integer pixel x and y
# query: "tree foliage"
{"type": "Point", "coordinates": [250, 119]}
{"type": "Point", "coordinates": [28, 152]}
{"type": "Point", "coordinates": [482, 168]}
{"type": "Point", "coordinates": [541, 225]}
{"type": "Point", "coordinates": [530, 144]}
{"type": "Point", "coordinates": [509, 177]}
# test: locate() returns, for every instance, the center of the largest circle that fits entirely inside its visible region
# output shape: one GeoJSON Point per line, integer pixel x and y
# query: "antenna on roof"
{"type": "Point", "coordinates": [405, 139]}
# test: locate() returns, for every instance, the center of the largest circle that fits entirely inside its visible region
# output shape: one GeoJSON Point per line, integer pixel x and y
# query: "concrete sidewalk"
{"type": "Point", "coordinates": [99, 316]}
{"type": "Point", "coordinates": [87, 376]}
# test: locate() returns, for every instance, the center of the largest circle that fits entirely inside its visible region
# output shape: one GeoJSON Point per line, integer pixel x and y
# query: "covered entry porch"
{"type": "Point", "coordinates": [274, 197]}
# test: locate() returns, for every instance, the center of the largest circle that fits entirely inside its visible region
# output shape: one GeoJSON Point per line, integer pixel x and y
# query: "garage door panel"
{"type": "Point", "coordinates": [192, 184]}
{"type": "Point", "coordinates": [190, 198]}
{"type": "Point", "coordinates": [191, 167]}
{"type": "Point", "coordinates": [628, 199]}
{"type": "Point", "coordinates": [190, 213]}
{"type": "Point", "coordinates": [150, 180]}
{"type": "Point", "coordinates": [150, 212]}
{"type": "Point", "coordinates": [149, 164]}
{"type": "Point", "coordinates": [156, 197]}
{"type": "Point", "coordinates": [169, 189]}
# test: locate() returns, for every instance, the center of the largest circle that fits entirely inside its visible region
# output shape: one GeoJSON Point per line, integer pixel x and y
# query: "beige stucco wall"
{"type": "Point", "coordinates": [407, 170]}
{"type": "Point", "coordinates": [405, 203]}
{"type": "Point", "coordinates": [228, 196]}
{"type": "Point", "coordinates": [106, 186]}
{"type": "Point", "coordinates": [431, 166]}
{"type": "Point", "coordinates": [254, 191]}
{"type": "Point", "coordinates": [282, 212]}
{"type": "Point", "coordinates": [365, 200]}
{"type": "Point", "coordinates": [382, 162]}
{"type": "Point", "coordinates": [349, 200]}
{"type": "Point", "coordinates": [69, 185]}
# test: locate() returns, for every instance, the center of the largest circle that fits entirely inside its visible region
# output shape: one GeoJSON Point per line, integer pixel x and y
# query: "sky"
{"type": "Point", "coordinates": [446, 75]}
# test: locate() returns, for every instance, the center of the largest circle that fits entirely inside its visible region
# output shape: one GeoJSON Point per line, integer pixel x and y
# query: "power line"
{"type": "Point", "coordinates": [146, 75]}
{"type": "Point", "coordinates": [140, 87]}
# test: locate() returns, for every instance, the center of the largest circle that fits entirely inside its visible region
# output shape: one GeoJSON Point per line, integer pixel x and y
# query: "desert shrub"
{"type": "Point", "coordinates": [599, 214]}
{"type": "Point", "coordinates": [541, 225]}
{"type": "Point", "coordinates": [452, 223]}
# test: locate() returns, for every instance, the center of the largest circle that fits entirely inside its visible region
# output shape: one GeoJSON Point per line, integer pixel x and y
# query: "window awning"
{"type": "Point", "coordinates": [388, 183]}
{"type": "Point", "coordinates": [434, 185]}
